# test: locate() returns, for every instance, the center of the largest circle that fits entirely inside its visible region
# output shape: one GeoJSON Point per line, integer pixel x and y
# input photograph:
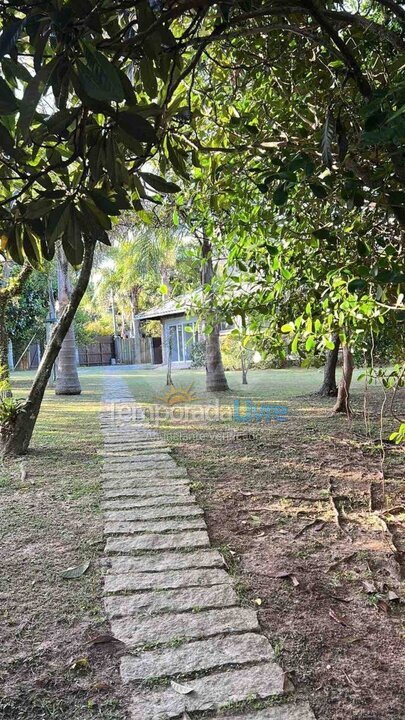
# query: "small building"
{"type": "Point", "coordinates": [179, 329]}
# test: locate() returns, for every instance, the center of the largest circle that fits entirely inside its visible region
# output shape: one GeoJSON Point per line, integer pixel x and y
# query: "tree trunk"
{"type": "Point", "coordinates": [244, 355]}
{"type": "Point", "coordinates": [329, 387]}
{"type": "Point", "coordinates": [342, 402]}
{"type": "Point", "coordinates": [11, 290]}
{"type": "Point", "coordinates": [67, 379]}
{"type": "Point", "coordinates": [4, 369]}
{"type": "Point", "coordinates": [18, 439]}
{"type": "Point", "coordinates": [215, 374]}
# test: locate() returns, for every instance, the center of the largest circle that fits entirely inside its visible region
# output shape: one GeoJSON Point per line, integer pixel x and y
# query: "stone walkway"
{"type": "Point", "coordinates": [167, 593]}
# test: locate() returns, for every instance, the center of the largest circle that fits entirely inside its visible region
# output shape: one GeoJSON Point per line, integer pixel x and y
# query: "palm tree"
{"type": "Point", "coordinates": [67, 382]}
{"type": "Point", "coordinates": [215, 374]}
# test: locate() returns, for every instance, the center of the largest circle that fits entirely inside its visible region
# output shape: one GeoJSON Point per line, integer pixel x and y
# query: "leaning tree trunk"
{"type": "Point", "coordinates": [215, 374]}
{"type": "Point", "coordinates": [18, 438]}
{"type": "Point", "coordinates": [329, 387]}
{"type": "Point", "coordinates": [67, 378]}
{"type": "Point", "coordinates": [342, 402]}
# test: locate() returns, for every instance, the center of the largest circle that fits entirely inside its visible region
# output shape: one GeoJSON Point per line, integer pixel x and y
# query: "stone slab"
{"type": "Point", "coordinates": [176, 541]}
{"type": "Point", "coordinates": [157, 562]}
{"type": "Point", "coordinates": [153, 513]}
{"type": "Point", "coordinates": [148, 491]}
{"type": "Point", "coordinates": [153, 526]}
{"type": "Point", "coordinates": [210, 692]}
{"type": "Point", "coordinates": [169, 601]}
{"type": "Point", "coordinates": [136, 473]}
{"type": "Point", "coordinates": [137, 503]}
{"type": "Point", "coordinates": [300, 711]}
{"type": "Point", "coordinates": [136, 440]}
{"type": "Point", "coordinates": [123, 446]}
{"type": "Point", "coordinates": [154, 479]}
{"type": "Point", "coordinates": [196, 656]}
{"type": "Point", "coordinates": [165, 579]}
{"type": "Point", "coordinates": [156, 458]}
{"type": "Point", "coordinates": [134, 465]}
{"type": "Point", "coordinates": [133, 451]}
{"type": "Point", "coordinates": [184, 625]}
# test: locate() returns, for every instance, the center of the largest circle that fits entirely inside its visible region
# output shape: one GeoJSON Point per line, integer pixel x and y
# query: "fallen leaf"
{"type": "Point", "coordinates": [258, 601]}
{"type": "Point", "coordinates": [295, 581]}
{"type": "Point", "coordinates": [393, 597]}
{"type": "Point", "coordinates": [383, 606]}
{"type": "Point", "coordinates": [181, 689]}
{"type": "Point", "coordinates": [76, 571]}
{"type": "Point", "coordinates": [288, 685]}
{"type": "Point", "coordinates": [369, 587]}
{"type": "Point", "coordinates": [337, 618]}
{"type": "Point", "coordinates": [80, 664]}
{"type": "Point", "coordinates": [245, 493]}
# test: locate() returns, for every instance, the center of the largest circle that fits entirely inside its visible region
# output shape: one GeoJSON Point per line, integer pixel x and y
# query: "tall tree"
{"type": "Point", "coordinates": [10, 289]}
{"type": "Point", "coordinates": [215, 374]}
{"type": "Point", "coordinates": [329, 387]}
{"type": "Point", "coordinates": [67, 378]}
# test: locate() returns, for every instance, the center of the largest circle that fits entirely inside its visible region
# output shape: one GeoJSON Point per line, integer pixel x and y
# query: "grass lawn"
{"type": "Point", "coordinates": [50, 521]}
{"type": "Point", "coordinates": [286, 502]}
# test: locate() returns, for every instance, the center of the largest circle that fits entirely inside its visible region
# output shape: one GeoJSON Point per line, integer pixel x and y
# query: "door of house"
{"type": "Point", "coordinates": [180, 341]}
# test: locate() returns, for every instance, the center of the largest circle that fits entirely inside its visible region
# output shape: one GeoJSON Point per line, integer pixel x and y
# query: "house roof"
{"type": "Point", "coordinates": [180, 305]}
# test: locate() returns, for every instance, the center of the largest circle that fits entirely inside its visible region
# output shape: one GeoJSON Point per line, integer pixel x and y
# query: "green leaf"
{"type": "Point", "coordinates": [159, 183]}
{"type": "Point", "coordinates": [38, 208]}
{"type": "Point", "coordinates": [72, 239]}
{"type": "Point", "coordinates": [328, 133]}
{"type": "Point", "coordinates": [8, 103]}
{"type": "Point", "coordinates": [99, 77]}
{"type": "Point", "coordinates": [356, 285]}
{"type": "Point", "coordinates": [390, 276]}
{"type": "Point", "coordinates": [93, 221]}
{"type": "Point", "coordinates": [318, 190]}
{"type": "Point", "coordinates": [6, 141]}
{"type": "Point", "coordinates": [310, 342]}
{"type": "Point", "coordinates": [57, 221]}
{"type": "Point", "coordinates": [148, 77]}
{"type": "Point", "coordinates": [106, 204]}
{"type": "Point", "coordinates": [9, 36]}
{"type": "Point", "coordinates": [280, 195]}
{"type": "Point", "coordinates": [329, 344]}
{"type": "Point", "coordinates": [32, 248]}
{"type": "Point", "coordinates": [32, 95]}
{"type": "Point", "coordinates": [136, 126]}
{"type": "Point", "coordinates": [287, 328]}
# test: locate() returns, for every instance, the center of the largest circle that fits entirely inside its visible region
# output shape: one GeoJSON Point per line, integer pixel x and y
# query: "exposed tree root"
{"type": "Point", "coordinates": [337, 512]}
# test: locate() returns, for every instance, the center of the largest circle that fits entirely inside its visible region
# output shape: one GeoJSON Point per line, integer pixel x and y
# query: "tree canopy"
{"type": "Point", "coordinates": [91, 91]}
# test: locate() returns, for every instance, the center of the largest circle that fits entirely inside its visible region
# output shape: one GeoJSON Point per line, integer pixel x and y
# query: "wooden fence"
{"type": "Point", "coordinates": [125, 353]}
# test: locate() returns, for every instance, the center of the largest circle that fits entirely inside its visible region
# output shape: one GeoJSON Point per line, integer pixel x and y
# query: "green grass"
{"type": "Point", "coordinates": [50, 521]}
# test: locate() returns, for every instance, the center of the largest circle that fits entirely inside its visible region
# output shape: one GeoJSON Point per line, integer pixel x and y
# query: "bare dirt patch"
{"type": "Point", "coordinates": [289, 504]}
{"type": "Point", "coordinates": [57, 660]}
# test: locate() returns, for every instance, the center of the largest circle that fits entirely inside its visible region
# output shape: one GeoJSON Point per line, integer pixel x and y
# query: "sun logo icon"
{"type": "Point", "coordinates": [178, 395]}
